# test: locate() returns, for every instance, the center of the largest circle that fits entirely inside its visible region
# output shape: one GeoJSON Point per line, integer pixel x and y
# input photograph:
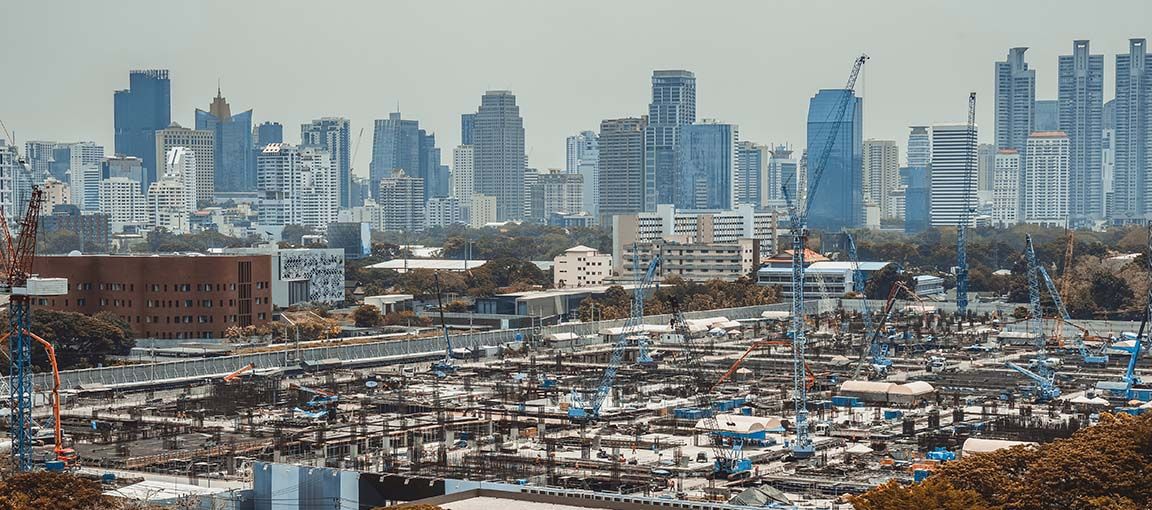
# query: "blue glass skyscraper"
{"type": "Point", "coordinates": [235, 170]}
{"type": "Point", "coordinates": [706, 167]}
{"type": "Point", "coordinates": [268, 132]}
{"type": "Point", "coordinates": [673, 106]}
{"type": "Point", "coordinates": [839, 199]}
{"type": "Point", "coordinates": [467, 122]}
{"type": "Point", "coordinates": [139, 111]}
{"type": "Point", "coordinates": [401, 144]}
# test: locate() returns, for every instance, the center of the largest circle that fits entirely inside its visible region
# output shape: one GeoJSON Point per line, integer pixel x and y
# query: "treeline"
{"type": "Point", "coordinates": [616, 303]}
{"type": "Point", "coordinates": [524, 241]}
{"type": "Point", "coordinates": [499, 275]}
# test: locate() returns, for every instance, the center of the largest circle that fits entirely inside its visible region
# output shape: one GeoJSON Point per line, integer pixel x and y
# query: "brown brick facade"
{"type": "Point", "coordinates": [165, 296]}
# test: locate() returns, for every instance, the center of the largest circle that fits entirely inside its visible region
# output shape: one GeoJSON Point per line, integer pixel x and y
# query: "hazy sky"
{"type": "Point", "coordinates": [569, 63]}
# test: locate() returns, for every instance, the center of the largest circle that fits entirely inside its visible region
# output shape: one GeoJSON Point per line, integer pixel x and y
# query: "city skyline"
{"type": "Point", "coordinates": [769, 111]}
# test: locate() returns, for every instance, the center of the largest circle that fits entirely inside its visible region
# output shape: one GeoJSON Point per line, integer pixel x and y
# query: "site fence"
{"type": "Point", "coordinates": [383, 352]}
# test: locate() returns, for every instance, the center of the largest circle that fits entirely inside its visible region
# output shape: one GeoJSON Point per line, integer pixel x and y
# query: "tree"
{"type": "Point", "coordinates": [934, 493]}
{"type": "Point", "coordinates": [366, 316]}
{"type": "Point", "coordinates": [293, 234]}
{"type": "Point", "coordinates": [58, 491]}
{"type": "Point", "coordinates": [60, 241]}
{"type": "Point", "coordinates": [80, 341]}
{"type": "Point", "coordinates": [1110, 292]}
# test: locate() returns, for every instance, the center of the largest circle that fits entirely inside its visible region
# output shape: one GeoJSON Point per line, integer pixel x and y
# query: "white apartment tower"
{"type": "Point", "coordinates": [1006, 188]}
{"type": "Point", "coordinates": [952, 186]}
{"type": "Point", "coordinates": [462, 176]}
{"type": "Point", "coordinates": [121, 200]}
{"type": "Point", "coordinates": [203, 144]}
{"type": "Point", "coordinates": [402, 202]}
{"type": "Point", "coordinates": [180, 164]}
{"type": "Point", "coordinates": [881, 174]}
{"type": "Point", "coordinates": [317, 197]}
{"type": "Point", "coordinates": [1047, 167]}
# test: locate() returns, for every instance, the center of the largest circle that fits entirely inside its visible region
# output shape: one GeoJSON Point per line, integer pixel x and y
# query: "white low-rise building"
{"type": "Point", "coordinates": [580, 266]}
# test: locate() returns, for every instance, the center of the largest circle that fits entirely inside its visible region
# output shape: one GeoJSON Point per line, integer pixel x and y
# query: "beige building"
{"type": "Point", "coordinates": [881, 174]}
{"type": "Point", "coordinates": [56, 193]}
{"type": "Point", "coordinates": [202, 143]}
{"type": "Point", "coordinates": [693, 261]}
{"type": "Point", "coordinates": [483, 210]}
{"type": "Point", "coordinates": [694, 227]}
{"type": "Point", "coordinates": [580, 266]}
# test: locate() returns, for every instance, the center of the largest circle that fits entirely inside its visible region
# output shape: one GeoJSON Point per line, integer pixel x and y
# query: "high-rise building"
{"type": "Point", "coordinates": [556, 191]}
{"type": "Point", "coordinates": [783, 173]}
{"type": "Point", "coordinates": [443, 212]}
{"type": "Point", "coordinates": [705, 169]}
{"type": "Point", "coordinates": [1006, 188]}
{"type": "Point", "coordinates": [395, 145]}
{"type": "Point", "coordinates": [297, 186]}
{"type": "Point", "coordinates": [673, 106]}
{"type": "Point", "coordinates": [10, 171]}
{"type": "Point", "coordinates": [234, 169]}
{"type": "Point", "coordinates": [128, 167]}
{"type": "Point", "coordinates": [583, 157]}
{"type": "Point", "coordinates": [318, 190]}
{"type": "Point", "coordinates": [621, 166]}
{"type": "Point", "coordinates": [1047, 115]}
{"type": "Point", "coordinates": [333, 134]}
{"type": "Point", "coordinates": [1108, 167]}
{"type": "Point", "coordinates": [467, 122]}
{"type": "Point", "coordinates": [1132, 183]}
{"type": "Point", "coordinates": [402, 202]}
{"type": "Point", "coordinates": [917, 200]}
{"type": "Point", "coordinates": [1015, 101]}
{"type": "Point", "coordinates": [577, 148]}
{"type": "Point", "coordinates": [839, 199]}
{"type": "Point", "coordinates": [84, 182]}
{"type": "Point", "coordinates": [1046, 179]}
{"type": "Point", "coordinates": [55, 193]}
{"type": "Point", "coordinates": [122, 201]}
{"type": "Point", "coordinates": [985, 166]}
{"type": "Point", "coordinates": [203, 143]}
{"type": "Point", "coordinates": [462, 174]}
{"type": "Point", "coordinates": [482, 211]}
{"type": "Point", "coordinates": [952, 183]}
{"type": "Point", "coordinates": [38, 155]}
{"type": "Point", "coordinates": [881, 163]}
{"type": "Point", "coordinates": [181, 164]}
{"type": "Point", "coordinates": [531, 176]}
{"type": "Point", "coordinates": [141, 110]}
{"type": "Point", "coordinates": [751, 171]}
{"type": "Point", "coordinates": [919, 147]}
{"type": "Point", "coordinates": [268, 132]}
{"type": "Point", "coordinates": [498, 153]}
{"type": "Point", "coordinates": [1081, 110]}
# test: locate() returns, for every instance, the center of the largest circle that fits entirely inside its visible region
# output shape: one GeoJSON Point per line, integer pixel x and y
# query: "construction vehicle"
{"type": "Point", "coordinates": [582, 411]}
{"type": "Point", "coordinates": [239, 372]}
{"type": "Point", "coordinates": [803, 447]}
{"type": "Point", "coordinates": [444, 366]}
{"type": "Point", "coordinates": [966, 215]}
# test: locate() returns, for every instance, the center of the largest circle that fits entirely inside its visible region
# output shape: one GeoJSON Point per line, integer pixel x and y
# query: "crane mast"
{"type": "Point", "coordinates": [803, 447]}
{"type": "Point", "coordinates": [965, 215]}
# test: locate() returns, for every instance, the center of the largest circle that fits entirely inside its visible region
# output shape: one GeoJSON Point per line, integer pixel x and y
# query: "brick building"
{"type": "Point", "coordinates": [165, 296]}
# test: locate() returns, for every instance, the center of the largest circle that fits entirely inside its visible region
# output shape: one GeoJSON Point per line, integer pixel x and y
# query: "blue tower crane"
{"type": "Point", "coordinates": [590, 410]}
{"type": "Point", "coordinates": [876, 351]}
{"type": "Point", "coordinates": [803, 447]}
{"type": "Point", "coordinates": [965, 215]}
{"type": "Point", "coordinates": [643, 357]}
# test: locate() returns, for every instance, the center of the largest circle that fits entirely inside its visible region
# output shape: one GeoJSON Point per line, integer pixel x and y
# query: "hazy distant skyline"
{"type": "Point", "coordinates": [570, 65]}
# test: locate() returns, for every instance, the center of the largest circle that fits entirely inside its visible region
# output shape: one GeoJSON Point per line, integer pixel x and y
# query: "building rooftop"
{"type": "Point", "coordinates": [1048, 134]}
{"type": "Point", "coordinates": [401, 265]}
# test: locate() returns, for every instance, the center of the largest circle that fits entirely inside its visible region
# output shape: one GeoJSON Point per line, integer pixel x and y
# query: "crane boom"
{"type": "Point", "coordinates": [1065, 317]}
{"type": "Point", "coordinates": [444, 366]}
{"type": "Point", "coordinates": [964, 218]}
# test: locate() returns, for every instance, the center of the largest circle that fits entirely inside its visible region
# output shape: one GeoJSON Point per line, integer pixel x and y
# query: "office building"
{"type": "Point", "coordinates": [1081, 90]}
{"type": "Point", "coordinates": [839, 200]}
{"type": "Point", "coordinates": [462, 176]}
{"type": "Point", "coordinates": [917, 197]}
{"type": "Point", "coordinates": [332, 134]}
{"type": "Point", "coordinates": [297, 186]}
{"type": "Point", "coordinates": [621, 166]}
{"type": "Point", "coordinates": [583, 157]}
{"type": "Point", "coordinates": [1046, 179]}
{"type": "Point", "coordinates": [91, 230]}
{"type": "Point", "coordinates": [881, 163]}
{"type": "Point", "coordinates": [128, 167]}
{"type": "Point", "coordinates": [1015, 101]}
{"type": "Point", "coordinates": [443, 212]}
{"type": "Point", "coordinates": [55, 193]}
{"type": "Point", "coordinates": [751, 171]}
{"type": "Point", "coordinates": [673, 106]}
{"type": "Point", "coordinates": [693, 261]}
{"type": "Point", "coordinates": [1131, 183]}
{"type": "Point", "coordinates": [181, 165]}
{"type": "Point", "coordinates": [123, 203]}
{"type": "Point", "coordinates": [1006, 190]}
{"type": "Point", "coordinates": [84, 183]}
{"type": "Point", "coordinates": [1108, 168]}
{"type": "Point", "coordinates": [10, 168]}
{"type": "Point", "coordinates": [952, 185]}
{"type": "Point", "coordinates": [203, 144]}
{"type": "Point", "coordinates": [985, 165]}
{"type": "Point", "coordinates": [317, 188]}
{"type": "Point", "coordinates": [354, 238]}
{"type": "Point", "coordinates": [467, 123]}
{"type": "Point", "coordinates": [783, 173]}
{"type": "Point", "coordinates": [705, 166]}
{"type": "Point", "coordinates": [498, 153]}
{"type": "Point", "coordinates": [302, 276]}
{"type": "Point", "coordinates": [38, 156]}
{"type": "Point", "coordinates": [165, 296]}
{"type": "Point", "coordinates": [140, 111]}
{"type": "Point", "coordinates": [482, 211]}
{"type": "Point", "coordinates": [693, 227]}
{"type": "Point", "coordinates": [399, 144]}
{"type": "Point", "coordinates": [402, 202]}
{"type": "Point", "coordinates": [266, 133]}
{"type": "Point", "coordinates": [580, 266]}
{"type": "Point", "coordinates": [555, 191]}
{"type": "Point", "coordinates": [232, 149]}
{"type": "Point", "coordinates": [919, 147]}
{"type": "Point", "coordinates": [1047, 113]}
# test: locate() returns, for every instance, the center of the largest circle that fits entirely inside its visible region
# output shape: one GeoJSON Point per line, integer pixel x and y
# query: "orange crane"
{"type": "Point", "coordinates": [66, 455]}
{"type": "Point", "coordinates": [241, 371]}
{"type": "Point", "coordinates": [1064, 279]}
{"type": "Point", "coordinates": [758, 344]}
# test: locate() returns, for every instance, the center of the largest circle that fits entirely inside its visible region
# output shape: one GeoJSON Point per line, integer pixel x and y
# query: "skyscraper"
{"type": "Point", "coordinates": [1046, 179]}
{"type": "Point", "coordinates": [621, 167]}
{"type": "Point", "coordinates": [297, 186]}
{"type": "Point", "coordinates": [985, 167]}
{"type": "Point", "coordinates": [881, 163]}
{"type": "Point", "coordinates": [333, 134]}
{"type": "Point", "coordinates": [498, 153]}
{"type": "Point", "coordinates": [556, 191]}
{"type": "Point", "coordinates": [268, 132]}
{"type": "Point", "coordinates": [128, 167]}
{"type": "Point", "coordinates": [1006, 188]}
{"type": "Point", "coordinates": [1081, 110]}
{"type": "Point", "coordinates": [705, 170]}
{"type": "Point", "coordinates": [467, 122]}
{"type": "Point", "coordinates": [839, 199]}
{"type": "Point", "coordinates": [395, 145]}
{"type": "Point", "coordinates": [673, 106]}
{"type": "Point", "coordinates": [1015, 101]}
{"type": "Point", "coordinates": [200, 142]}
{"type": "Point", "coordinates": [583, 157]}
{"type": "Point", "coordinates": [39, 157]}
{"type": "Point", "coordinates": [1047, 115]}
{"type": "Point", "coordinates": [234, 167]}
{"type": "Point", "coordinates": [952, 181]}
{"type": "Point", "coordinates": [919, 147]}
{"type": "Point", "coordinates": [1132, 184]}
{"type": "Point", "coordinates": [751, 167]}
{"type": "Point", "coordinates": [402, 202]}
{"type": "Point", "coordinates": [576, 148]}
{"type": "Point", "coordinates": [783, 172]}
{"type": "Point", "coordinates": [141, 110]}
{"type": "Point", "coordinates": [462, 176]}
